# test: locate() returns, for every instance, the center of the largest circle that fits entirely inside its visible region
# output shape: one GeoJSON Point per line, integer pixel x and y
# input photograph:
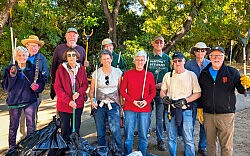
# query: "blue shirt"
{"type": "Point", "coordinates": [213, 73]}
{"type": "Point", "coordinates": [194, 67]}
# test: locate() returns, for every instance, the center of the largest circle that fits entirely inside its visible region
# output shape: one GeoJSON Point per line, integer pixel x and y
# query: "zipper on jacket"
{"type": "Point", "coordinates": [213, 100]}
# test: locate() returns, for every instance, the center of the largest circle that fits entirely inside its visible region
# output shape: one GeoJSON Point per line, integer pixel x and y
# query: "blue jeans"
{"type": "Point", "coordinates": [159, 108]}
{"type": "Point", "coordinates": [67, 122]}
{"type": "Point", "coordinates": [202, 135]}
{"type": "Point", "coordinates": [142, 119]}
{"type": "Point", "coordinates": [187, 134]}
{"type": "Point", "coordinates": [15, 115]}
{"type": "Point", "coordinates": [114, 124]}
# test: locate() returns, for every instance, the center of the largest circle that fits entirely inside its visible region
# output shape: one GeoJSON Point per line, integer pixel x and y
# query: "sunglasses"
{"type": "Point", "coordinates": [158, 42]}
{"type": "Point", "coordinates": [175, 61]}
{"type": "Point", "coordinates": [200, 50]}
{"type": "Point", "coordinates": [71, 55]}
{"type": "Point", "coordinates": [107, 80]}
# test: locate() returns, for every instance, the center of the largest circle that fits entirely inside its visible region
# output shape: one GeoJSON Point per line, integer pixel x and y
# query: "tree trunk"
{"type": "Point", "coordinates": [4, 14]}
{"type": "Point", "coordinates": [112, 18]}
{"type": "Point", "coordinates": [186, 27]}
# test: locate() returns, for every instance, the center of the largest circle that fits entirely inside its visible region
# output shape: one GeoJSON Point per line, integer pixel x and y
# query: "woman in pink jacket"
{"type": "Point", "coordinates": [70, 75]}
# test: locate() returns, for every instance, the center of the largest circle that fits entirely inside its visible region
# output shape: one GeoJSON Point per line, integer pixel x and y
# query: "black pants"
{"type": "Point", "coordinates": [67, 123]}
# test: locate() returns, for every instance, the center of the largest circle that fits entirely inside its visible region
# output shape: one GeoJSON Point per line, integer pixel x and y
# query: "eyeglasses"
{"type": "Point", "coordinates": [200, 50]}
{"type": "Point", "coordinates": [175, 61]}
{"type": "Point", "coordinates": [216, 56]}
{"type": "Point", "coordinates": [71, 55]}
{"type": "Point", "coordinates": [107, 80]}
{"type": "Point", "coordinates": [158, 42]}
{"type": "Point", "coordinates": [138, 60]}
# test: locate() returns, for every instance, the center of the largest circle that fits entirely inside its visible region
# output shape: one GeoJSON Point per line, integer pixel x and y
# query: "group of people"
{"type": "Point", "coordinates": [177, 90]}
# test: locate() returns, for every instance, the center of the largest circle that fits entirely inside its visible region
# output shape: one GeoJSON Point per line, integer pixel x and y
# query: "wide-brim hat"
{"type": "Point", "coordinates": [200, 45]}
{"type": "Point", "coordinates": [32, 39]}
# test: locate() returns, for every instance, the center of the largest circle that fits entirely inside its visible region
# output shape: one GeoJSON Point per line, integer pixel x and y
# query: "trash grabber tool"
{"type": "Point", "coordinates": [87, 42]}
{"type": "Point", "coordinates": [119, 58]}
{"type": "Point", "coordinates": [95, 83]}
{"type": "Point", "coordinates": [12, 38]}
{"type": "Point", "coordinates": [244, 43]}
{"type": "Point", "coordinates": [170, 95]}
{"type": "Point", "coordinates": [144, 81]}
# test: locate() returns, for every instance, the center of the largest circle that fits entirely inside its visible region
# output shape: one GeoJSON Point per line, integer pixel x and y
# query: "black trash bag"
{"type": "Point", "coordinates": [112, 145]}
{"type": "Point", "coordinates": [101, 151]}
{"type": "Point", "coordinates": [41, 141]}
{"type": "Point", "coordinates": [79, 146]}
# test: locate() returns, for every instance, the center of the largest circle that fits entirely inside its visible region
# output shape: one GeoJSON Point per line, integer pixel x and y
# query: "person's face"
{"type": "Point", "coordinates": [178, 63]}
{"type": "Point", "coordinates": [106, 60]}
{"type": "Point", "coordinates": [200, 53]}
{"type": "Point", "coordinates": [71, 38]}
{"type": "Point", "coordinates": [21, 57]}
{"type": "Point", "coordinates": [158, 45]}
{"type": "Point", "coordinates": [71, 57]}
{"type": "Point", "coordinates": [139, 62]}
{"type": "Point", "coordinates": [216, 58]}
{"type": "Point", "coordinates": [108, 47]}
{"type": "Point", "coordinates": [33, 48]}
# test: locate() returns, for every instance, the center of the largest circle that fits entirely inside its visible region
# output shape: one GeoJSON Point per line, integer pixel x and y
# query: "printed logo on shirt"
{"type": "Point", "coordinates": [224, 79]}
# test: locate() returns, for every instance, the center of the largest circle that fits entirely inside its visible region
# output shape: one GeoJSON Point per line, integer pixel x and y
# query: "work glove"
{"type": "Point", "coordinates": [167, 100]}
{"type": "Point", "coordinates": [34, 86]}
{"type": "Point", "coordinates": [13, 71]}
{"type": "Point", "coordinates": [245, 80]}
{"type": "Point", "coordinates": [200, 115]}
{"type": "Point", "coordinates": [180, 103]}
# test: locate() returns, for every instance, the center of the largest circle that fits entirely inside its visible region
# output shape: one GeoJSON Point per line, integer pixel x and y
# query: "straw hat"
{"type": "Point", "coordinates": [33, 39]}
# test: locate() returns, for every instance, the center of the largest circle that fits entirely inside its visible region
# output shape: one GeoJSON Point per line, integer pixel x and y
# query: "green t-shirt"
{"type": "Point", "coordinates": [114, 63]}
{"type": "Point", "coordinates": [159, 66]}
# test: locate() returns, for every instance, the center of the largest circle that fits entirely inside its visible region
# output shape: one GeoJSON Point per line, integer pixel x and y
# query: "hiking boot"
{"type": "Point", "coordinates": [161, 146]}
{"type": "Point", "coordinates": [203, 152]}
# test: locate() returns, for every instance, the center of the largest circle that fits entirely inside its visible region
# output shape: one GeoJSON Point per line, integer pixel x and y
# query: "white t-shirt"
{"type": "Point", "coordinates": [180, 85]}
{"type": "Point", "coordinates": [112, 79]}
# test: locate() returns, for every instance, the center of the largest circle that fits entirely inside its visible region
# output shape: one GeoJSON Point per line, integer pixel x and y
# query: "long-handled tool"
{"type": "Point", "coordinates": [144, 81]}
{"type": "Point", "coordinates": [170, 95]}
{"type": "Point", "coordinates": [244, 42]}
{"type": "Point", "coordinates": [87, 42]}
{"type": "Point", "coordinates": [12, 38]}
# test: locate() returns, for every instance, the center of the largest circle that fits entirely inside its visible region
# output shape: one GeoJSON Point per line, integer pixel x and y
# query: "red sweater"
{"type": "Point", "coordinates": [64, 91]}
{"type": "Point", "coordinates": [131, 89]}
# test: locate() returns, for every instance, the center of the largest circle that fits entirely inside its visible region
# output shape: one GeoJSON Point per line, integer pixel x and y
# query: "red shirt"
{"type": "Point", "coordinates": [131, 89]}
{"type": "Point", "coordinates": [64, 91]}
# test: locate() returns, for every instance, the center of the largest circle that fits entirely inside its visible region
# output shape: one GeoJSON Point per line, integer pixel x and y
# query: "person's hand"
{"type": "Point", "coordinates": [245, 80]}
{"type": "Point", "coordinates": [72, 104]}
{"type": "Point", "coordinates": [180, 103]}
{"type": "Point", "coordinates": [167, 100]}
{"type": "Point", "coordinates": [93, 104]}
{"type": "Point", "coordinates": [86, 63]}
{"type": "Point", "coordinates": [13, 71]}
{"type": "Point", "coordinates": [200, 115]}
{"type": "Point", "coordinates": [52, 92]}
{"type": "Point", "coordinates": [75, 96]}
{"type": "Point", "coordinates": [34, 86]}
{"type": "Point", "coordinates": [158, 86]}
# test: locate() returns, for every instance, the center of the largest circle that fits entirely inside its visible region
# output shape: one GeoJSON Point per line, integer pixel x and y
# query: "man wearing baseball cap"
{"type": "Point", "coordinates": [216, 108]}
{"type": "Point", "coordinates": [159, 65]}
{"type": "Point", "coordinates": [71, 38]}
{"type": "Point", "coordinates": [196, 65]}
{"type": "Point", "coordinates": [179, 89]}
{"type": "Point", "coordinates": [118, 61]}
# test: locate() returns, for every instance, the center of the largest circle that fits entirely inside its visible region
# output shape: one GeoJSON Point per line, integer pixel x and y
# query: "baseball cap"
{"type": "Point", "coordinates": [219, 48]}
{"type": "Point", "coordinates": [72, 30]}
{"type": "Point", "coordinates": [158, 38]}
{"type": "Point", "coordinates": [178, 55]}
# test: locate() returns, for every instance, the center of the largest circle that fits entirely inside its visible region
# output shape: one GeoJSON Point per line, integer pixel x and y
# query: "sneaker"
{"type": "Point", "coordinates": [203, 152]}
{"type": "Point", "coordinates": [161, 146]}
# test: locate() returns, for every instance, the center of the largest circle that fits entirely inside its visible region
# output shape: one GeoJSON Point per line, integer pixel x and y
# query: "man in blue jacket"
{"type": "Point", "coordinates": [216, 110]}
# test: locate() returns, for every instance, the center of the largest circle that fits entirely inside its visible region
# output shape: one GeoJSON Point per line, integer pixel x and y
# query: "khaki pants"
{"type": "Point", "coordinates": [219, 126]}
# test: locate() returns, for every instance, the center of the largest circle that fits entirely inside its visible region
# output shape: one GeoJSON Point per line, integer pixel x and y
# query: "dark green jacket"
{"type": "Point", "coordinates": [159, 66]}
{"type": "Point", "coordinates": [121, 65]}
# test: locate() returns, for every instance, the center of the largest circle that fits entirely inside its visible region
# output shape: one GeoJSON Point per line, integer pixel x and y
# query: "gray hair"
{"type": "Point", "coordinates": [22, 49]}
{"type": "Point", "coordinates": [141, 53]}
